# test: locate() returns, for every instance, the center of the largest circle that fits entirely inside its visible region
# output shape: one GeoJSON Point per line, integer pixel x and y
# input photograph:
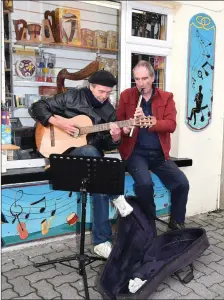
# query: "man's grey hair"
{"type": "Point", "coordinates": [92, 84]}
{"type": "Point", "coordinates": [147, 65]}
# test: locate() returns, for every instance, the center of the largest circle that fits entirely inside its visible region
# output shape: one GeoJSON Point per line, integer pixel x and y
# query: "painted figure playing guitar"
{"type": "Point", "coordinates": [93, 102]}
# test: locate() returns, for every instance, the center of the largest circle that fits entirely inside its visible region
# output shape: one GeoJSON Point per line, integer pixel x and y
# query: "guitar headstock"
{"type": "Point", "coordinates": [143, 122]}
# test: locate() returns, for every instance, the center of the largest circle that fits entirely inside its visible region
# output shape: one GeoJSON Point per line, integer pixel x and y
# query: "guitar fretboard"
{"type": "Point", "coordinates": [104, 127]}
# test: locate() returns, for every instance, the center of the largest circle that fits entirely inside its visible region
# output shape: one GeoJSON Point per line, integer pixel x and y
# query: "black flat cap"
{"type": "Point", "coordinates": [104, 78]}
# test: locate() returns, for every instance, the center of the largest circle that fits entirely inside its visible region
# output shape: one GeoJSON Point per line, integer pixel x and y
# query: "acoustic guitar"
{"type": "Point", "coordinates": [51, 139]}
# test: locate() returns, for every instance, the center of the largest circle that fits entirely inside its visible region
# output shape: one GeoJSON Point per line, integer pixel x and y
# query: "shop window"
{"type": "Point", "coordinates": [158, 63]}
{"type": "Point", "coordinates": [146, 34]}
{"type": "Point", "coordinates": [150, 25]}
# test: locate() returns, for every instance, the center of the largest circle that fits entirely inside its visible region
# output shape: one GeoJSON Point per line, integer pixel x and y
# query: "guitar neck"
{"type": "Point", "coordinates": [105, 127]}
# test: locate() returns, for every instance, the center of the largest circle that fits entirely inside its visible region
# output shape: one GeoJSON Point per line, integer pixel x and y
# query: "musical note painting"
{"type": "Point", "coordinates": [34, 211]}
{"type": "Point", "coordinates": [201, 58]}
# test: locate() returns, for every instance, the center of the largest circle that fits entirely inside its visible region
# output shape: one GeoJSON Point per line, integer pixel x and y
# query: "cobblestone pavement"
{"type": "Point", "coordinates": [21, 280]}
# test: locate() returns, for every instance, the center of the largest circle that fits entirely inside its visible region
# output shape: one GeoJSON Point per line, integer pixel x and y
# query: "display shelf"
{"type": "Point", "coordinates": [32, 83]}
{"type": "Point", "coordinates": [63, 46]}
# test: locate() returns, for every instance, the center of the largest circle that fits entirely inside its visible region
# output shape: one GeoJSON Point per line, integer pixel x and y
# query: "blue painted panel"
{"type": "Point", "coordinates": [201, 58]}
{"type": "Point", "coordinates": [42, 212]}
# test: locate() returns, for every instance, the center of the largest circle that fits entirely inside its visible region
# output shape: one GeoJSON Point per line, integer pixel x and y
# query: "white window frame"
{"type": "Point", "coordinates": [149, 50]}
{"type": "Point", "coordinates": [146, 41]}
{"type": "Point", "coordinates": [131, 44]}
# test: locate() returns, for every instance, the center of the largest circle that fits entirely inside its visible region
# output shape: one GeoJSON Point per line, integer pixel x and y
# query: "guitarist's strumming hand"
{"type": "Point", "coordinates": [64, 124]}
{"type": "Point", "coordinates": [115, 132]}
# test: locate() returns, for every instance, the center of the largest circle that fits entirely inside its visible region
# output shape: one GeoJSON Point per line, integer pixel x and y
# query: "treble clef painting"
{"type": "Point", "coordinates": [201, 58]}
{"type": "Point", "coordinates": [16, 210]}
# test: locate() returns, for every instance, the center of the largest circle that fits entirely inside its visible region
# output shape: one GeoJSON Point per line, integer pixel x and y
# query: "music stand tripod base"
{"type": "Point", "coordinates": [85, 175]}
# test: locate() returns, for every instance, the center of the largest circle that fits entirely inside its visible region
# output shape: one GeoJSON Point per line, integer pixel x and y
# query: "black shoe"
{"type": "Point", "coordinates": [173, 225]}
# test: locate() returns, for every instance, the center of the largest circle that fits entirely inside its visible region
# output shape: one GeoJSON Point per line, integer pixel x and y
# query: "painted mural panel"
{"type": "Point", "coordinates": [201, 58]}
{"type": "Point", "coordinates": [35, 211]}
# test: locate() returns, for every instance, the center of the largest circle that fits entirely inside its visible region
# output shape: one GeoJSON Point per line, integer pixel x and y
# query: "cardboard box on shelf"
{"type": "Point", "coordinates": [68, 26]}
{"type": "Point", "coordinates": [100, 39]}
{"type": "Point", "coordinates": [87, 36]}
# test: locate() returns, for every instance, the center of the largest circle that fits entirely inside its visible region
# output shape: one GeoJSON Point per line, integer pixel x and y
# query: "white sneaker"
{"type": "Point", "coordinates": [103, 249]}
{"type": "Point", "coordinates": [134, 285]}
{"type": "Point", "coordinates": [122, 206]}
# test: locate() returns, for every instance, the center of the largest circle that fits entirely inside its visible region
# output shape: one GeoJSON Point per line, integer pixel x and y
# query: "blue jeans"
{"type": "Point", "coordinates": [101, 228]}
{"type": "Point", "coordinates": [139, 164]}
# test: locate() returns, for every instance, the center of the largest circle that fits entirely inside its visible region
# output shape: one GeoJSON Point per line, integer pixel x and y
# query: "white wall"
{"type": "Point", "coordinates": [222, 177]}
{"type": "Point", "coordinates": [215, 6]}
{"type": "Point", "coordinates": [205, 147]}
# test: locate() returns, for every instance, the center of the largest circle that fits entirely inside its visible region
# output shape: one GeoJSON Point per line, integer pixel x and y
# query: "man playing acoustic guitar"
{"type": "Point", "coordinates": [93, 102]}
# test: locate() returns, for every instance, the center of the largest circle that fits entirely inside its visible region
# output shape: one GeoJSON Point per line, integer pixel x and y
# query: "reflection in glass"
{"type": "Point", "coordinates": [148, 25]}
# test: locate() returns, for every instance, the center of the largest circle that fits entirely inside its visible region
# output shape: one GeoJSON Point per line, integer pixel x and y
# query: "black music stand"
{"type": "Point", "coordinates": [85, 175]}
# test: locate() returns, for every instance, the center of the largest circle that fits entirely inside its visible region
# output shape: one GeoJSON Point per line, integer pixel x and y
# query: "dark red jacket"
{"type": "Point", "coordinates": [163, 108]}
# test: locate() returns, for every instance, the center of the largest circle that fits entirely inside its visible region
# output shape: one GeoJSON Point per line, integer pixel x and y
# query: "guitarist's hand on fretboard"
{"type": "Point", "coordinates": [115, 132]}
{"type": "Point", "coordinates": [66, 125]}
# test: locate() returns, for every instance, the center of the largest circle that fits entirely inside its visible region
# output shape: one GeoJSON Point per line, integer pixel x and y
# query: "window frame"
{"type": "Point", "coordinates": [131, 44]}
{"type": "Point", "coordinates": [146, 41]}
{"type": "Point", "coordinates": [148, 50]}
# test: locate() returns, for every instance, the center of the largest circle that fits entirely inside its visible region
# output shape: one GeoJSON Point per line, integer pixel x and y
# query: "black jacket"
{"type": "Point", "coordinates": [72, 103]}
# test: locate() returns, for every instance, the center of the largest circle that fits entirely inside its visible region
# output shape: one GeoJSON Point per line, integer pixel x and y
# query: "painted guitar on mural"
{"type": "Point", "coordinates": [201, 58]}
{"type": "Point", "coordinates": [51, 139]}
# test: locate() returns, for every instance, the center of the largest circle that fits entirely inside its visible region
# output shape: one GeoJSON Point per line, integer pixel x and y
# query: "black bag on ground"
{"type": "Point", "coordinates": [138, 252]}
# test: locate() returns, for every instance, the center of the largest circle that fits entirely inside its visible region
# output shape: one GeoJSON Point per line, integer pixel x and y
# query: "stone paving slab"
{"type": "Point", "coordinates": [21, 280]}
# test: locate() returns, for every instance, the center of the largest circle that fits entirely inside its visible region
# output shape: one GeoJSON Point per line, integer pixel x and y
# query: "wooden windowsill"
{"type": "Point", "coordinates": [10, 147]}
